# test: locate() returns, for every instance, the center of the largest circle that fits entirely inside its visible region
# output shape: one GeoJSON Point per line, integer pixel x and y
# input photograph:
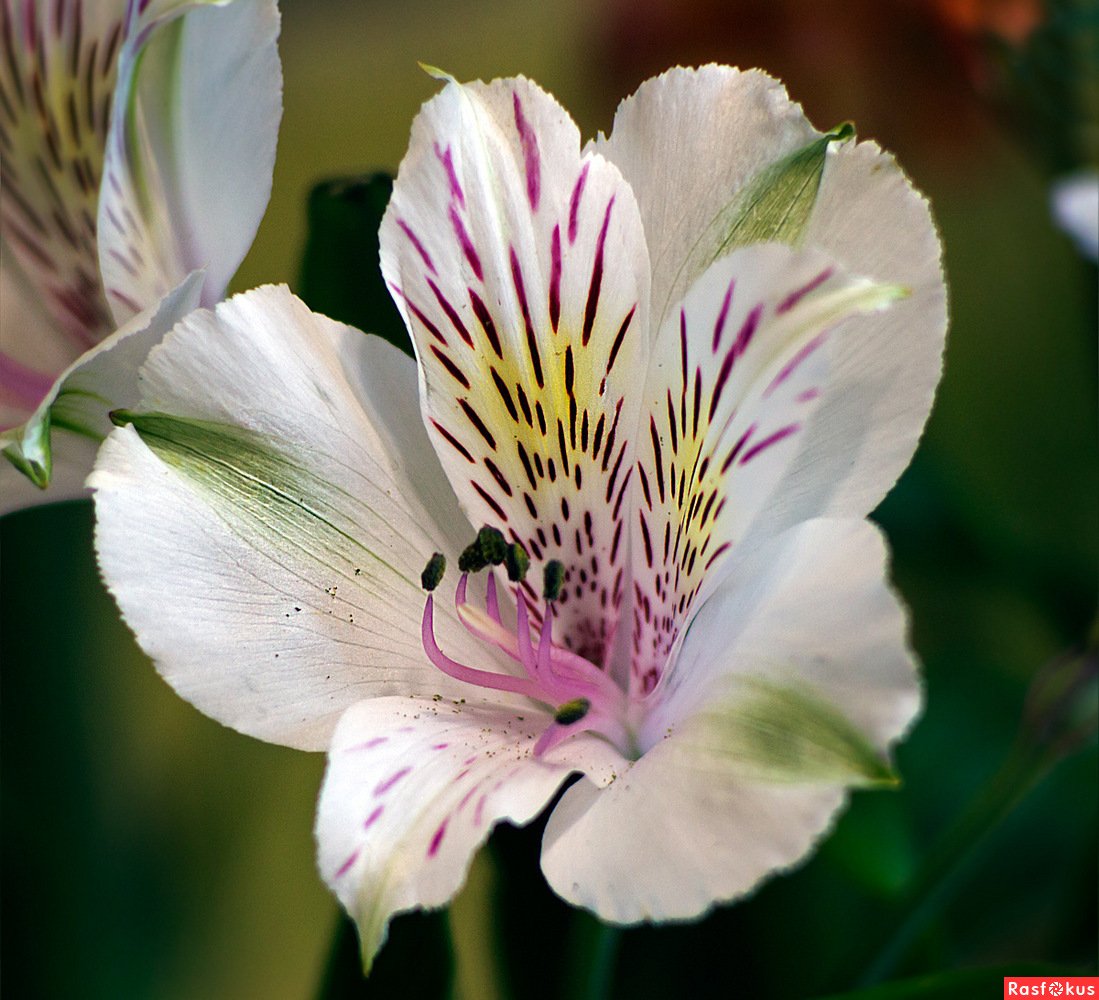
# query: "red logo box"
{"type": "Point", "coordinates": [1058, 987]}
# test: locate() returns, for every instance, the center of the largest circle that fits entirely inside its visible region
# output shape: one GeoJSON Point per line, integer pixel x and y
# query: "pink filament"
{"type": "Point", "coordinates": [553, 676]}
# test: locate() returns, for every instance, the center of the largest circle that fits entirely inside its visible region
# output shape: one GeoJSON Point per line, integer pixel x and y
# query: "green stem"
{"type": "Point", "coordinates": [942, 873]}
{"type": "Point", "coordinates": [592, 955]}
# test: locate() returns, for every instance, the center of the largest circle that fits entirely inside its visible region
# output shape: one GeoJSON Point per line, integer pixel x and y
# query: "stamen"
{"type": "Point", "coordinates": [433, 572]}
{"type": "Point", "coordinates": [472, 559]}
{"type": "Point", "coordinates": [517, 562]}
{"type": "Point", "coordinates": [482, 678]}
{"type": "Point", "coordinates": [572, 711]}
{"type": "Point", "coordinates": [492, 606]}
{"type": "Point", "coordinates": [586, 697]}
{"type": "Point", "coordinates": [553, 577]}
{"type": "Point", "coordinates": [492, 545]}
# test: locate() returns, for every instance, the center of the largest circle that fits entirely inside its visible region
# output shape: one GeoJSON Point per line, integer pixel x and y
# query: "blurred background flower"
{"type": "Point", "coordinates": [147, 852]}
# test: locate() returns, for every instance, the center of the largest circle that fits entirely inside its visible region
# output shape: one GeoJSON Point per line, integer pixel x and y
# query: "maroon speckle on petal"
{"type": "Point", "coordinates": [596, 276]}
{"type": "Point", "coordinates": [795, 297]}
{"type": "Point", "coordinates": [555, 278]}
{"type": "Point", "coordinates": [466, 243]}
{"type": "Point", "coordinates": [447, 160]}
{"type": "Point", "coordinates": [792, 365]}
{"type": "Point", "coordinates": [719, 325]}
{"type": "Point", "coordinates": [771, 439]}
{"type": "Point", "coordinates": [415, 241]}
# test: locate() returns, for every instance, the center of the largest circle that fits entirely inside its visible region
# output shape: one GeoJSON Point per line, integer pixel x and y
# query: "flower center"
{"type": "Point", "coordinates": [582, 697]}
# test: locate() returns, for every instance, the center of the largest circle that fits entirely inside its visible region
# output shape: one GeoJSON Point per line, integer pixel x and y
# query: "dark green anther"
{"type": "Point", "coordinates": [433, 572]}
{"type": "Point", "coordinates": [517, 562]}
{"type": "Point", "coordinates": [493, 547]}
{"type": "Point", "coordinates": [553, 576]}
{"type": "Point", "coordinates": [572, 711]}
{"type": "Point", "coordinates": [472, 559]}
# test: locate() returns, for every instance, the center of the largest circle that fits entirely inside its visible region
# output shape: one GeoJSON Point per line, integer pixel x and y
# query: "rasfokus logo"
{"type": "Point", "coordinates": [1051, 986]}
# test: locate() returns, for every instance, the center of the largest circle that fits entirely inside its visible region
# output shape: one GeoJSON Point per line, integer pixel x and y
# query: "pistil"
{"type": "Point", "coordinates": [580, 696]}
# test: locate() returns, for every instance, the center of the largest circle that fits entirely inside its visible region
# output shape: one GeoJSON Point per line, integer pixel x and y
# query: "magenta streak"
{"type": "Point", "coordinates": [596, 276]}
{"type": "Point", "coordinates": [741, 442]}
{"type": "Point", "coordinates": [723, 314]}
{"type": "Point", "coordinates": [479, 811]}
{"type": "Point", "coordinates": [384, 786]}
{"type": "Point", "coordinates": [795, 297]}
{"type": "Point", "coordinates": [125, 299]}
{"type": "Point", "coordinates": [574, 201]}
{"type": "Point", "coordinates": [373, 817]}
{"type": "Point", "coordinates": [779, 435]}
{"type": "Point", "coordinates": [447, 160]}
{"type": "Point", "coordinates": [466, 243]}
{"type": "Point", "coordinates": [468, 795]}
{"type": "Point", "coordinates": [415, 241]}
{"type": "Point", "coordinates": [377, 741]}
{"type": "Point", "coordinates": [807, 395]}
{"type": "Point", "coordinates": [482, 678]}
{"type": "Point", "coordinates": [436, 840]}
{"type": "Point", "coordinates": [529, 141]}
{"type": "Point", "coordinates": [25, 384]}
{"type": "Point", "coordinates": [791, 366]}
{"type": "Point", "coordinates": [451, 313]}
{"type": "Point", "coordinates": [439, 746]}
{"type": "Point", "coordinates": [555, 278]}
{"type": "Point", "coordinates": [747, 331]}
{"type": "Point", "coordinates": [469, 760]}
{"type": "Point", "coordinates": [424, 321]}
{"type": "Point", "coordinates": [343, 869]}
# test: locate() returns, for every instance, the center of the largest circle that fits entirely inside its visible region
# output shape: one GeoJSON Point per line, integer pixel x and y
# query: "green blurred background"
{"type": "Point", "coordinates": [148, 852]}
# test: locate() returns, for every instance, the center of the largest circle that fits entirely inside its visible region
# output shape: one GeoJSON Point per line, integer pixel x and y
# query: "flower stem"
{"type": "Point", "coordinates": [593, 950]}
{"type": "Point", "coordinates": [1058, 718]}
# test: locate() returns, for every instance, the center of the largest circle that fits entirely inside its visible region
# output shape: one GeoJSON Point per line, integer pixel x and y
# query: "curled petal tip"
{"type": "Point", "coordinates": [438, 74]}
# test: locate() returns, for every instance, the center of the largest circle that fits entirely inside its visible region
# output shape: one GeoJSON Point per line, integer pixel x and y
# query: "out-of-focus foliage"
{"type": "Point", "coordinates": [149, 853]}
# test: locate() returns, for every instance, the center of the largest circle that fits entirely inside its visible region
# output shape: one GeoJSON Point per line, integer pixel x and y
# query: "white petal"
{"type": "Point", "coordinates": [737, 372]}
{"type": "Point", "coordinates": [687, 142]}
{"type": "Point", "coordinates": [188, 164]}
{"type": "Point", "coordinates": [812, 609]}
{"type": "Point", "coordinates": [76, 405]}
{"type": "Point", "coordinates": [673, 836]}
{"type": "Point", "coordinates": [521, 270]}
{"type": "Point", "coordinates": [1075, 203]}
{"type": "Point", "coordinates": [871, 220]}
{"type": "Point", "coordinates": [264, 541]}
{"type": "Point", "coordinates": [704, 815]}
{"type": "Point", "coordinates": [413, 788]}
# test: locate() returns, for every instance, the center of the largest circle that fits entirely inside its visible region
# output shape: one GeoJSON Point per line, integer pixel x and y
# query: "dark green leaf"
{"type": "Point", "coordinates": [340, 274]}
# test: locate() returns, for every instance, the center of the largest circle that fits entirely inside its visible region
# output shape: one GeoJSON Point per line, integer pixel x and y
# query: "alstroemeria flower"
{"type": "Point", "coordinates": [138, 142]}
{"type": "Point", "coordinates": [682, 427]}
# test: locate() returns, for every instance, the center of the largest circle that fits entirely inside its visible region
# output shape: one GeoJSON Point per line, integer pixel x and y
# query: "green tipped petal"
{"type": "Point", "coordinates": [790, 735]}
